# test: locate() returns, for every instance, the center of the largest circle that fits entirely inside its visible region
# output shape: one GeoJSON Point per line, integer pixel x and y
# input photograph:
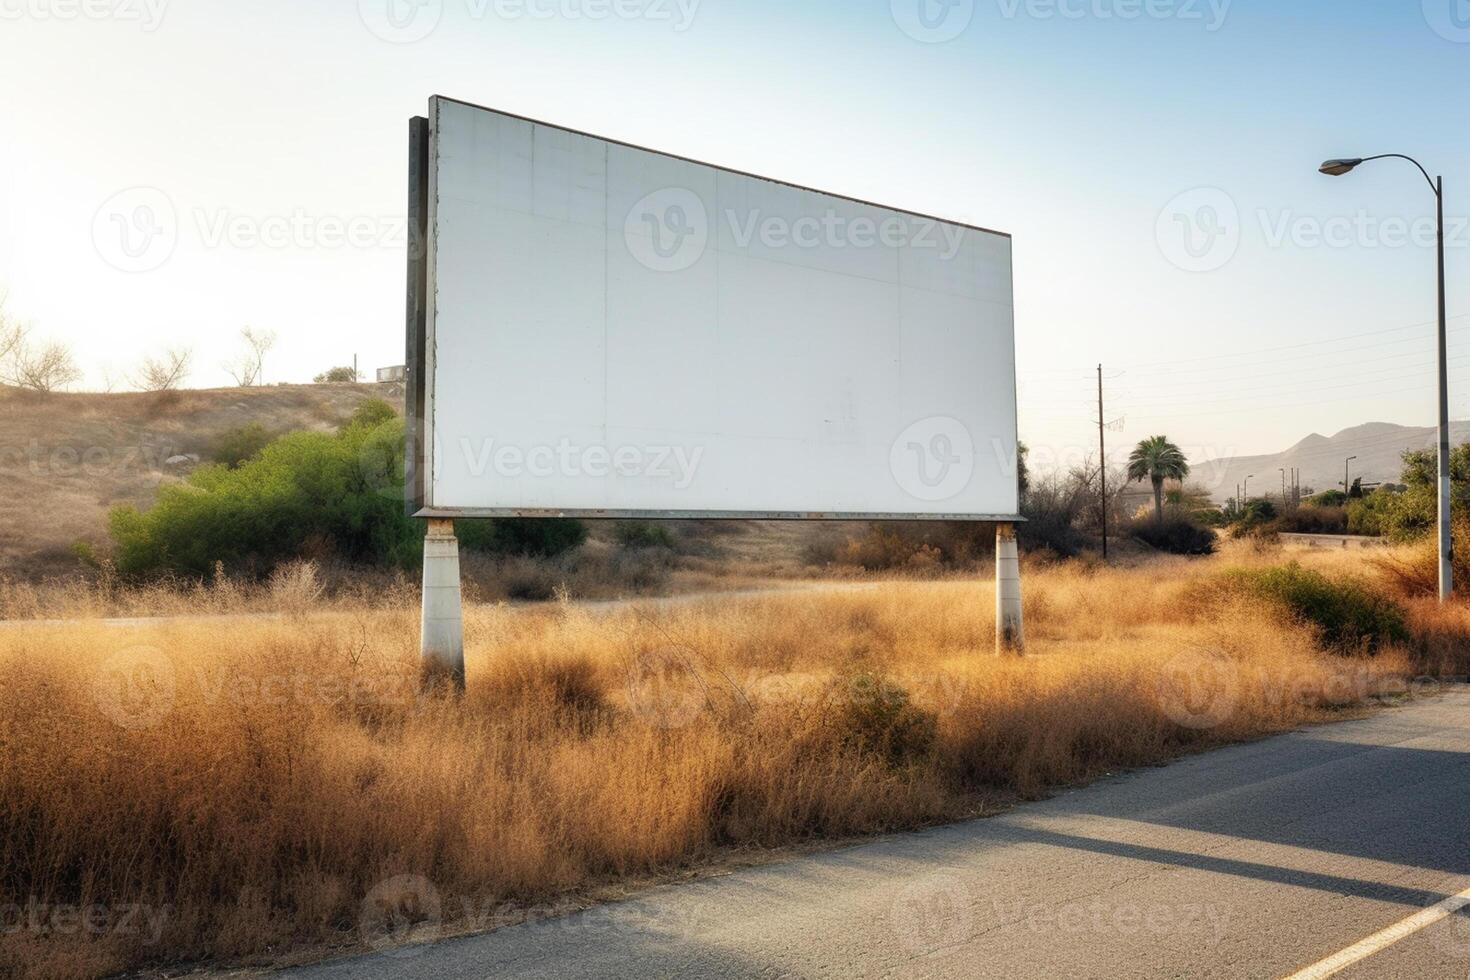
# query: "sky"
{"type": "Point", "coordinates": [1154, 160]}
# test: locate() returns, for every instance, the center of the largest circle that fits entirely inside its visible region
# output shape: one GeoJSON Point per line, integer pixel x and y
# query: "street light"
{"type": "Point", "coordinates": [1345, 485]}
{"type": "Point", "coordinates": [1336, 168]}
{"type": "Point", "coordinates": [1245, 487]}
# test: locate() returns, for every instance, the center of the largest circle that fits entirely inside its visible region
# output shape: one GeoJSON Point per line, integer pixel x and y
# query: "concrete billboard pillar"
{"type": "Point", "coordinates": [441, 635]}
{"type": "Point", "coordinates": [1008, 633]}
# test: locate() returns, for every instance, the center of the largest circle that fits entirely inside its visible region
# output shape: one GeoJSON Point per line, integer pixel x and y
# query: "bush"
{"type": "Point", "coordinates": [877, 716]}
{"type": "Point", "coordinates": [914, 546]}
{"type": "Point", "coordinates": [1315, 520]}
{"type": "Point", "coordinates": [1176, 535]}
{"type": "Point", "coordinates": [1349, 614]}
{"type": "Point", "coordinates": [643, 534]}
{"type": "Point", "coordinates": [338, 493]}
{"type": "Point", "coordinates": [336, 376]}
{"type": "Point", "coordinates": [235, 446]}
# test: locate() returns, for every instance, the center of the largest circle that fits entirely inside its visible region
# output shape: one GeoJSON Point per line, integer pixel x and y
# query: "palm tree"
{"type": "Point", "coordinates": [1157, 459]}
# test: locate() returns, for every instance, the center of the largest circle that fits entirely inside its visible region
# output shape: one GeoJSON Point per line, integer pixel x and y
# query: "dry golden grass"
{"type": "Point", "coordinates": [238, 788]}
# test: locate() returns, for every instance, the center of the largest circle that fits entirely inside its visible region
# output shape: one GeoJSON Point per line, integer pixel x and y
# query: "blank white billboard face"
{"type": "Point", "coordinates": [612, 330]}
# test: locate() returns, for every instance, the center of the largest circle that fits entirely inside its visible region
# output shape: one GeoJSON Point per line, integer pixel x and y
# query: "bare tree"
{"type": "Point", "coordinates": [164, 373]}
{"type": "Point", "coordinates": [12, 333]}
{"type": "Point", "coordinates": [41, 367]}
{"type": "Point", "coordinates": [248, 367]}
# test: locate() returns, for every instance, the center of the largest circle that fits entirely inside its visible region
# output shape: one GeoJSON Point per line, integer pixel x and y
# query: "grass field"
{"type": "Point", "coordinates": [254, 788]}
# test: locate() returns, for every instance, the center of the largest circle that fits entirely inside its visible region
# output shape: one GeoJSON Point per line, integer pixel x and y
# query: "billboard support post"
{"type": "Point", "coordinates": [1008, 633]}
{"type": "Point", "coordinates": [441, 635]}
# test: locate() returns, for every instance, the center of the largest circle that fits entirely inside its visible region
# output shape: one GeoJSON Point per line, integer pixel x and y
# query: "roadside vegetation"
{"type": "Point", "coordinates": [268, 784]}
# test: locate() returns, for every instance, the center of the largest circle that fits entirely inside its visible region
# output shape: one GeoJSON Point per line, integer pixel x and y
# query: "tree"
{"type": "Point", "coordinates": [1157, 459]}
{"type": "Point", "coordinates": [164, 373]}
{"type": "Point", "coordinates": [12, 333]}
{"type": "Point", "coordinates": [337, 376]}
{"type": "Point", "coordinates": [248, 367]}
{"type": "Point", "coordinates": [41, 367]}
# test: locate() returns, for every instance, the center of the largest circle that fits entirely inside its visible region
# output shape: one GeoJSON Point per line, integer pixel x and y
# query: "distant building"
{"type": "Point", "coordinates": [395, 373]}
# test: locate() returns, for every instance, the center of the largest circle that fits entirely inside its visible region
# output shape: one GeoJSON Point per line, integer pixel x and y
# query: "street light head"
{"type": "Point", "coordinates": [1336, 168]}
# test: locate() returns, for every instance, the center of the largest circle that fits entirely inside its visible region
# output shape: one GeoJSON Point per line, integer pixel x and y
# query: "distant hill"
{"type": "Point", "coordinates": [1377, 445]}
{"type": "Point", "coordinates": [66, 458]}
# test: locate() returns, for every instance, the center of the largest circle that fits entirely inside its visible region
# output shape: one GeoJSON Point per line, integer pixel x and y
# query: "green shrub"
{"type": "Point", "coordinates": [643, 534]}
{"type": "Point", "coordinates": [371, 413]}
{"type": "Point", "coordinates": [337, 492]}
{"type": "Point", "coordinates": [877, 716]}
{"type": "Point", "coordinates": [336, 376]}
{"type": "Point", "coordinates": [1327, 498]}
{"type": "Point", "coordinates": [1176, 535]}
{"type": "Point", "coordinates": [1348, 614]}
{"type": "Point", "coordinates": [235, 446]}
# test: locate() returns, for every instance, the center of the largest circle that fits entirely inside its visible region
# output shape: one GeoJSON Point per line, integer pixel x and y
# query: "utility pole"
{"type": "Point", "coordinates": [1283, 486]}
{"type": "Point", "coordinates": [1102, 464]}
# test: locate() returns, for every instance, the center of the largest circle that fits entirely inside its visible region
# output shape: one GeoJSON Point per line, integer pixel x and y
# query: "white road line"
{"type": "Point", "coordinates": [1382, 940]}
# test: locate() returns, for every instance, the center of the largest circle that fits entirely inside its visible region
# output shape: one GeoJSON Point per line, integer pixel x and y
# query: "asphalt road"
{"type": "Point", "coordinates": [1258, 860]}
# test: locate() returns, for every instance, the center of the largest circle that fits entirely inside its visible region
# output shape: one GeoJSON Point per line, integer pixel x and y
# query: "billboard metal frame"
{"type": "Point", "coordinates": [419, 364]}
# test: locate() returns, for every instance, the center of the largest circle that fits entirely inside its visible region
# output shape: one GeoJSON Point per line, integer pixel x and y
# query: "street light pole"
{"type": "Point", "coordinates": [1336, 168]}
{"type": "Point", "coordinates": [1345, 485]}
{"type": "Point", "coordinates": [1446, 543]}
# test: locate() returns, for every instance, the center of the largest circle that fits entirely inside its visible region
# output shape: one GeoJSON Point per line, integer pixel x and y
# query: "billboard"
{"type": "Point", "coordinates": [599, 329]}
